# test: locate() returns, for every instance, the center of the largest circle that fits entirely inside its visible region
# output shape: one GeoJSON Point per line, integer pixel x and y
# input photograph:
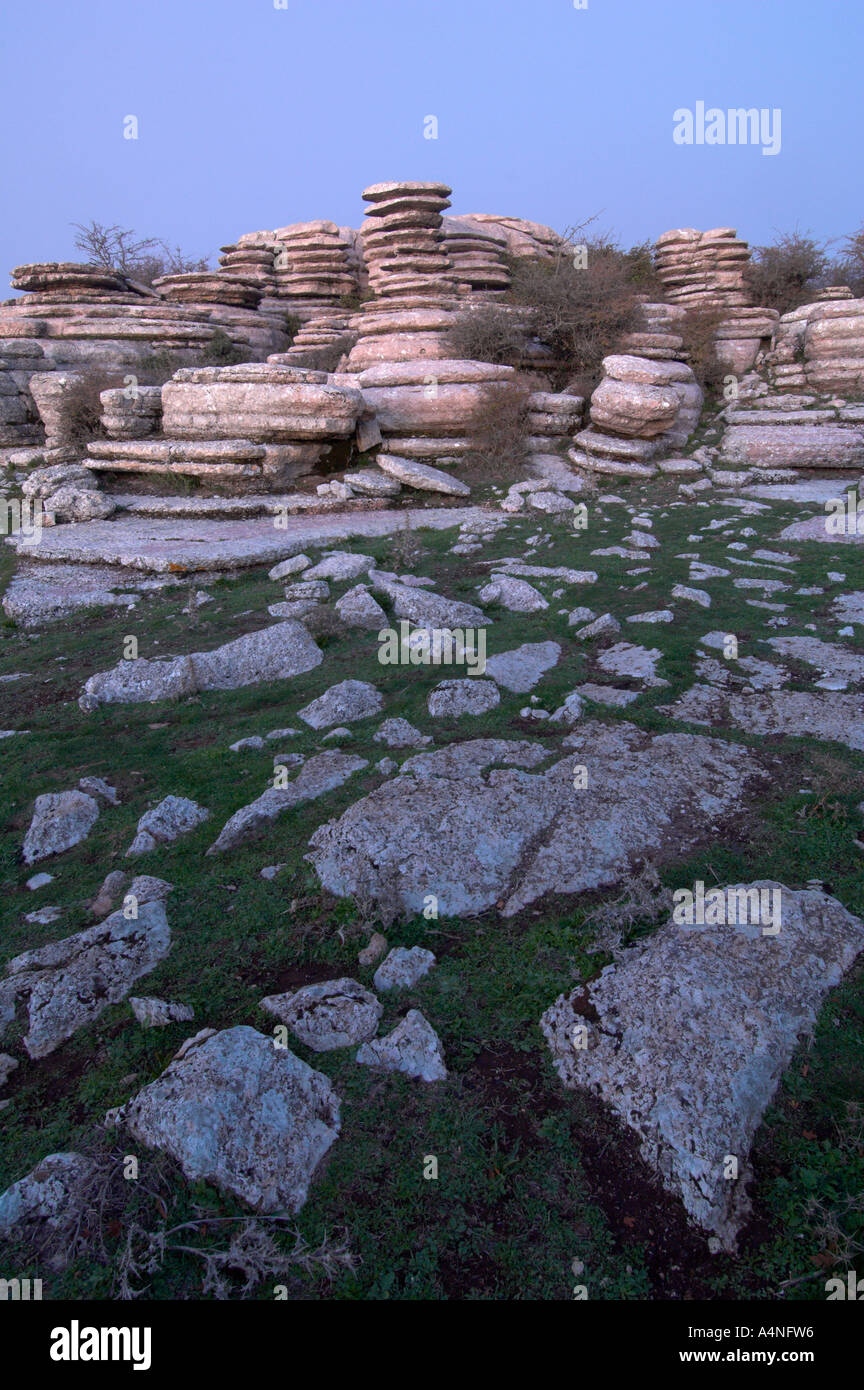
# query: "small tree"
{"type": "Point", "coordinates": [140, 258]}
{"type": "Point", "coordinates": [848, 269]}
{"type": "Point", "coordinates": [787, 273]}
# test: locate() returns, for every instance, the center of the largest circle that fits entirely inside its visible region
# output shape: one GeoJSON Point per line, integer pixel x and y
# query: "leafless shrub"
{"type": "Point", "coordinates": [79, 412]}
{"type": "Point", "coordinates": [699, 331]}
{"type": "Point", "coordinates": [499, 432]}
{"type": "Point", "coordinates": [487, 333]}
{"type": "Point", "coordinates": [642, 899]}
{"type": "Point", "coordinates": [140, 258]}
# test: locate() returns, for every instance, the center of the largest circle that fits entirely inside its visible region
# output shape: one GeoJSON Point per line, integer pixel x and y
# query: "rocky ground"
{"type": "Point", "coordinates": [419, 882]}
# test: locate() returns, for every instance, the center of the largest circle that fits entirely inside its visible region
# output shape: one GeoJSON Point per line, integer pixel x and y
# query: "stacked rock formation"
{"type": "Point", "coordinates": [523, 238]}
{"type": "Point", "coordinates": [258, 423]}
{"type": "Point", "coordinates": [642, 409]}
{"type": "Point", "coordinates": [315, 266]}
{"type": "Point", "coordinates": [478, 253]}
{"type": "Point", "coordinates": [403, 241]}
{"type": "Point", "coordinates": [658, 333]}
{"type": "Point", "coordinates": [706, 270]}
{"type": "Point", "coordinates": [77, 316]}
{"type": "Point", "coordinates": [698, 268]}
{"type": "Point", "coordinates": [550, 419]}
{"type": "Point", "coordinates": [820, 346]}
{"type": "Point", "coordinates": [19, 418]}
{"type": "Point", "coordinates": [205, 287]}
{"type": "Point", "coordinates": [431, 410]}
{"type": "Point", "coordinates": [131, 412]}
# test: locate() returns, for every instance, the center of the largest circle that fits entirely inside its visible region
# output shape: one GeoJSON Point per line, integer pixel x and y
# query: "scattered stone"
{"type": "Point", "coordinates": [692, 595]}
{"type": "Point", "coordinates": [398, 733]}
{"type": "Point", "coordinates": [337, 1013]}
{"type": "Point", "coordinates": [519, 670]}
{"type": "Point", "coordinates": [322, 773]}
{"type": "Point", "coordinates": [174, 816]}
{"type": "Point", "coordinates": [689, 1034]}
{"type": "Point", "coordinates": [403, 968]}
{"type": "Point", "coordinates": [43, 1197]}
{"type": "Point", "coordinates": [513, 594]}
{"type": "Point", "coordinates": [60, 821]}
{"type": "Point", "coordinates": [656, 615]}
{"type": "Point", "coordinates": [604, 626]}
{"type": "Point", "coordinates": [94, 786]}
{"type": "Point", "coordinates": [413, 1048]}
{"type": "Point", "coordinates": [39, 881]}
{"type": "Point", "coordinates": [157, 1013]}
{"type": "Point", "coordinates": [69, 983]}
{"type": "Point", "coordinates": [421, 476]}
{"type": "Point", "coordinates": [349, 701]}
{"type": "Point", "coordinates": [453, 699]}
{"type": "Point", "coordinates": [340, 565]}
{"type": "Point", "coordinates": [237, 1112]}
{"type": "Point", "coordinates": [293, 565]}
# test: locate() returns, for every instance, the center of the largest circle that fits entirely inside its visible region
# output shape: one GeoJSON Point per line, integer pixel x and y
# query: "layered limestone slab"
{"type": "Point", "coordinates": [69, 983]}
{"type": "Point", "coordinates": [478, 838]}
{"type": "Point", "coordinates": [687, 1036]}
{"type": "Point", "coordinates": [242, 1114]}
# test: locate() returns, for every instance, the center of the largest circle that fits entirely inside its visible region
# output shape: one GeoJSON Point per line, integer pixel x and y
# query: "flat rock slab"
{"type": "Point", "coordinates": [273, 653]}
{"type": "Point", "coordinates": [342, 704]}
{"type": "Point", "coordinates": [337, 1013]}
{"type": "Point", "coordinates": [412, 1048]}
{"type": "Point", "coordinates": [687, 1036]}
{"type": "Point", "coordinates": [60, 821]}
{"type": "Point", "coordinates": [69, 983]}
{"type": "Point", "coordinates": [403, 967]}
{"type": "Point", "coordinates": [243, 1114]}
{"type": "Point", "coordinates": [520, 670]}
{"type": "Point", "coordinates": [816, 529]}
{"type": "Point", "coordinates": [322, 773]}
{"type": "Point", "coordinates": [166, 545]}
{"type": "Point", "coordinates": [39, 594]}
{"type": "Point", "coordinates": [476, 838]}
{"type": "Point", "coordinates": [453, 699]}
{"type": "Point", "coordinates": [43, 1197]}
{"type": "Point", "coordinates": [829, 716]}
{"type": "Point", "coordinates": [421, 475]}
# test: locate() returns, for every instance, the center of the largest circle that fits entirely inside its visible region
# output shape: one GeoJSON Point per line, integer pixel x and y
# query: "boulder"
{"type": "Point", "coordinates": [337, 1013]}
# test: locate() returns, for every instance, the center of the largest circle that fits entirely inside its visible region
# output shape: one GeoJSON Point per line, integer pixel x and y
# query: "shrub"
{"type": "Point", "coordinates": [698, 331]}
{"type": "Point", "coordinates": [488, 333]}
{"type": "Point", "coordinates": [848, 269]}
{"type": "Point", "coordinates": [499, 432]}
{"type": "Point", "coordinates": [580, 311]}
{"type": "Point", "coordinates": [145, 259]}
{"type": "Point", "coordinates": [80, 410]}
{"type": "Point", "coordinates": [325, 359]}
{"type": "Point", "coordinates": [787, 273]}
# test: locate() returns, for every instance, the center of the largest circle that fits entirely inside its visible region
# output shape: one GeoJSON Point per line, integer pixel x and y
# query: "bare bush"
{"type": "Point", "coordinates": [488, 333]}
{"type": "Point", "coordinates": [699, 331]}
{"type": "Point", "coordinates": [787, 273]}
{"type": "Point", "coordinates": [579, 306]}
{"type": "Point", "coordinates": [140, 258]}
{"type": "Point", "coordinates": [79, 410]}
{"type": "Point", "coordinates": [499, 432]}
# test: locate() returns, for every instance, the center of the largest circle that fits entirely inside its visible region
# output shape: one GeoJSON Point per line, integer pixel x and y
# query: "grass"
{"type": "Point", "coordinates": [530, 1178]}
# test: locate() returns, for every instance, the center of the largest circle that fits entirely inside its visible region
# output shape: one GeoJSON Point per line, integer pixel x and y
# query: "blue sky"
{"type": "Point", "coordinates": [252, 116]}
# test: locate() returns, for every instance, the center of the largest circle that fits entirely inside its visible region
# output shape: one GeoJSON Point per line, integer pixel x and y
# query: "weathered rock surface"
{"type": "Point", "coordinates": [455, 698]}
{"type": "Point", "coordinates": [828, 716]}
{"type": "Point", "coordinates": [342, 704]}
{"type": "Point", "coordinates": [322, 773]}
{"type": "Point", "coordinates": [358, 608]}
{"type": "Point", "coordinates": [402, 968]}
{"type": "Point", "coordinates": [274, 653]}
{"type": "Point", "coordinates": [69, 983]}
{"type": "Point", "coordinates": [689, 1033]}
{"type": "Point", "coordinates": [60, 821]}
{"type": "Point", "coordinates": [337, 1013]}
{"type": "Point", "coordinates": [158, 1013]}
{"type": "Point", "coordinates": [520, 670]}
{"type": "Point", "coordinates": [242, 1114]}
{"type": "Point", "coordinates": [174, 816]}
{"type": "Point", "coordinates": [43, 1197]}
{"type": "Point", "coordinates": [413, 1047]}
{"type": "Point", "coordinates": [474, 840]}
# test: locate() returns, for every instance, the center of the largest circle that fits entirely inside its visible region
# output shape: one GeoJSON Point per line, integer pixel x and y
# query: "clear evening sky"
{"type": "Point", "coordinates": [252, 117]}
